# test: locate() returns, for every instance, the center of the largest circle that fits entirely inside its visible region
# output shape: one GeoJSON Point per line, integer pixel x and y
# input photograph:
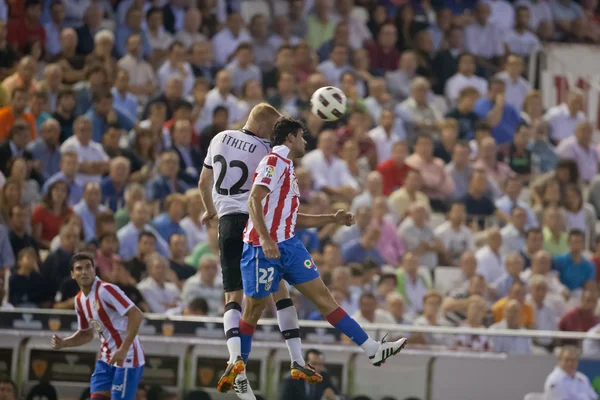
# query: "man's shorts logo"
{"type": "Point", "coordinates": [308, 264]}
{"type": "Point", "coordinates": [268, 285]}
{"type": "Point", "coordinates": [117, 388]}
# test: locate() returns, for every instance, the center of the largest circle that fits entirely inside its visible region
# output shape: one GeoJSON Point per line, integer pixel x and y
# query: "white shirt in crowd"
{"type": "Point", "coordinates": [140, 72]}
{"type": "Point", "coordinates": [162, 40]}
{"type": "Point", "coordinates": [187, 76]}
{"type": "Point", "coordinates": [194, 288]}
{"type": "Point", "coordinates": [193, 233]}
{"type": "Point", "coordinates": [591, 345]}
{"type": "Point", "coordinates": [522, 44]}
{"type": "Point", "coordinates": [545, 320]}
{"type": "Point", "coordinates": [415, 291]}
{"type": "Point", "coordinates": [332, 72]}
{"type": "Point", "coordinates": [516, 90]}
{"type": "Point", "coordinates": [90, 153]}
{"type": "Point", "coordinates": [559, 385]}
{"type": "Point", "coordinates": [539, 11]}
{"type": "Point", "coordinates": [358, 33]}
{"type": "Point", "coordinates": [502, 14]}
{"type": "Point", "coordinates": [189, 38]}
{"type": "Point", "coordinates": [484, 40]}
{"type": "Point", "coordinates": [562, 124]}
{"type": "Point", "coordinates": [225, 44]}
{"type": "Point", "coordinates": [231, 103]}
{"type": "Point", "coordinates": [459, 81]}
{"type": "Point", "coordinates": [383, 142]}
{"type": "Point", "coordinates": [334, 173]}
{"type": "Point", "coordinates": [510, 344]}
{"type": "Point", "coordinates": [455, 242]}
{"type": "Point", "coordinates": [489, 264]}
{"type": "Point", "coordinates": [513, 241]}
{"type": "Point", "coordinates": [158, 297]}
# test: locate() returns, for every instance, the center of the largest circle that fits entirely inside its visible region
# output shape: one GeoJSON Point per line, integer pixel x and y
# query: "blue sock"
{"type": "Point", "coordinates": [246, 333]}
{"type": "Point", "coordinates": [347, 325]}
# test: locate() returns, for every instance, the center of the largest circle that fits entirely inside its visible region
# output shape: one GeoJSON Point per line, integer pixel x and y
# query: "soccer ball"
{"type": "Point", "coordinates": [328, 103]}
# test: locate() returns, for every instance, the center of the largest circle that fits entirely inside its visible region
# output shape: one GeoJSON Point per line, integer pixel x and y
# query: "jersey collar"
{"type": "Point", "coordinates": [282, 151]}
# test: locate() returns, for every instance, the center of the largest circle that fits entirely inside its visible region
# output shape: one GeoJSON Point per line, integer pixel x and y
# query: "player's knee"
{"type": "Point", "coordinates": [253, 310]}
{"type": "Point", "coordinates": [234, 297]}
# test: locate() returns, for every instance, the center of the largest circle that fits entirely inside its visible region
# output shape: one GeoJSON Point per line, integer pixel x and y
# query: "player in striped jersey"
{"type": "Point", "coordinates": [225, 184]}
{"type": "Point", "coordinates": [272, 252]}
{"type": "Point", "coordinates": [104, 309]}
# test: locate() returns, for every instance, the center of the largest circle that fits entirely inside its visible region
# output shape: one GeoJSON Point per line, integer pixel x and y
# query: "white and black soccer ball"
{"type": "Point", "coordinates": [328, 103]}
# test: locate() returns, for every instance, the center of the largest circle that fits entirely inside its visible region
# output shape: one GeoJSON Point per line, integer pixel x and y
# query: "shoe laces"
{"type": "Point", "coordinates": [383, 338]}
{"type": "Point", "coordinates": [241, 386]}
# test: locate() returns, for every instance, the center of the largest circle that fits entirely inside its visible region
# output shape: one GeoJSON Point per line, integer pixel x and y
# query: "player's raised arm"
{"type": "Point", "coordinates": [341, 217]}
{"type": "Point", "coordinates": [255, 209]}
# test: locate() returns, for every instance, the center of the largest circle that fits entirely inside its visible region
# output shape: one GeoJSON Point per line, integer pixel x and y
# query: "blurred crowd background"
{"type": "Point", "coordinates": [474, 205]}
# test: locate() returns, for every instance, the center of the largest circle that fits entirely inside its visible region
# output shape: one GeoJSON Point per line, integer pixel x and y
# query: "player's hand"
{"type": "Point", "coordinates": [344, 218]}
{"type": "Point", "coordinates": [57, 342]}
{"type": "Point", "coordinates": [208, 218]}
{"type": "Point", "coordinates": [270, 248]}
{"type": "Point", "coordinates": [118, 358]}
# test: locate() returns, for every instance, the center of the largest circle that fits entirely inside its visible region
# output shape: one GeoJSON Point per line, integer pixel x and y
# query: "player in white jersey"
{"type": "Point", "coordinates": [272, 252]}
{"type": "Point", "coordinates": [225, 184]}
{"type": "Point", "coordinates": [104, 309]}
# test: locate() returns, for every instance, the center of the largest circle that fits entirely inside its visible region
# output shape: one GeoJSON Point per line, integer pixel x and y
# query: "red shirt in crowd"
{"type": "Point", "coordinates": [18, 33]}
{"type": "Point", "coordinates": [382, 60]}
{"type": "Point", "coordinates": [393, 175]}
{"type": "Point", "coordinates": [50, 223]}
{"type": "Point", "coordinates": [576, 320]}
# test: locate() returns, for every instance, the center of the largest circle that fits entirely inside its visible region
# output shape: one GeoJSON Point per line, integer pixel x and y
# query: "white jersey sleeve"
{"type": "Point", "coordinates": [114, 297]}
{"type": "Point", "coordinates": [233, 156]}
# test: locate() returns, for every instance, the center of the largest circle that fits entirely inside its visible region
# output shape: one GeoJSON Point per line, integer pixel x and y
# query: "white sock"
{"type": "Point", "coordinates": [370, 347]}
{"type": "Point", "coordinates": [288, 320]}
{"type": "Point", "coordinates": [231, 321]}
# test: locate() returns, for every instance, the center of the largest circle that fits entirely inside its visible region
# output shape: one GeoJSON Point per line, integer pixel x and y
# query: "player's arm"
{"type": "Point", "coordinates": [79, 338]}
{"type": "Point", "coordinates": [134, 320]}
{"type": "Point", "coordinates": [341, 217]}
{"type": "Point", "coordinates": [205, 184]}
{"type": "Point", "coordinates": [255, 210]}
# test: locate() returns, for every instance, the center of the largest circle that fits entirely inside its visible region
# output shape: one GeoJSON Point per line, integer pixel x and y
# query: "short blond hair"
{"type": "Point", "coordinates": [262, 112]}
{"type": "Point", "coordinates": [173, 197]}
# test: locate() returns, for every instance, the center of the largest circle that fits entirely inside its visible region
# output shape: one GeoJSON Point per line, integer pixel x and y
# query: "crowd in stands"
{"type": "Point", "coordinates": [474, 205]}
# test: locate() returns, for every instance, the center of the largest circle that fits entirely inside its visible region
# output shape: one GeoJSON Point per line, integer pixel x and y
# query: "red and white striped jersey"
{"type": "Point", "coordinates": [103, 310]}
{"type": "Point", "coordinates": [280, 207]}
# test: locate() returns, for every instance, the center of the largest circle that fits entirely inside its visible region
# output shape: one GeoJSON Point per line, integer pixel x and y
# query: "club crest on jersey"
{"type": "Point", "coordinates": [269, 171]}
{"type": "Point", "coordinates": [96, 325]}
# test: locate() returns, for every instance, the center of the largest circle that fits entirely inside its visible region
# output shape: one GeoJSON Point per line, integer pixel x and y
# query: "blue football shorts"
{"type": "Point", "coordinates": [261, 275]}
{"type": "Point", "coordinates": [121, 382]}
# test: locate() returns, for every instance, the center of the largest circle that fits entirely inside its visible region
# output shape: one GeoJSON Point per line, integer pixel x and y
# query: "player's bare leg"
{"type": "Point", "coordinates": [316, 291]}
{"type": "Point", "coordinates": [287, 317]}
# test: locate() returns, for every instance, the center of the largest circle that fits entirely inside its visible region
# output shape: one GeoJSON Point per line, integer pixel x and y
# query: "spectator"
{"type": "Point", "coordinates": [190, 34]}
{"type": "Point", "coordinates": [556, 240]}
{"type": "Point", "coordinates": [283, 63]}
{"type": "Point", "coordinates": [487, 159]}
{"type": "Point", "coordinates": [511, 344]}
{"type": "Point", "coordinates": [330, 173]}
{"type": "Point", "coordinates": [363, 218]}
{"type": "Point", "coordinates": [394, 170]}
{"type": "Point", "coordinates": [195, 231]}
{"type": "Point", "coordinates": [19, 238]}
{"type": "Point", "coordinates": [520, 40]}
{"type": "Point", "coordinates": [286, 98]}
{"type": "Point", "coordinates": [512, 200]}
{"type": "Point", "coordinates": [160, 294]}
{"type": "Point", "coordinates": [105, 223]}
{"type": "Point", "coordinates": [16, 114]}
{"type": "Point", "coordinates": [478, 204]}
{"type": "Point", "coordinates": [383, 53]}
{"type": "Point", "coordinates": [166, 181]}
{"type": "Point", "coordinates": [567, 16]}
{"type": "Point", "coordinates": [413, 283]}
{"type": "Point", "coordinates": [580, 149]}
{"type": "Point", "coordinates": [490, 260]}
{"type": "Point", "coordinates": [385, 134]}
{"type": "Point", "coordinates": [581, 318]}
{"type": "Point", "coordinates": [210, 246]}
{"type": "Point", "coordinates": [517, 291]}
{"type": "Point", "coordinates": [541, 21]}
{"type": "Point", "coordinates": [419, 237]}
{"type": "Point", "coordinates": [114, 185]}
{"type": "Point", "coordinates": [476, 311]}
{"type": "Point", "coordinates": [159, 38]}
{"type": "Point", "coordinates": [7, 257]}
{"type": "Point", "coordinates": [129, 234]}
{"type": "Point", "coordinates": [437, 182]}
{"type": "Point", "coordinates": [574, 270]}
{"type": "Point", "coordinates": [565, 381]}
{"type": "Point", "coordinates": [190, 160]}
{"type": "Point", "coordinates": [590, 344]}
{"type": "Point", "coordinates": [564, 118]}
{"type": "Point", "coordinates": [398, 81]}
{"type": "Point", "coordinates": [320, 25]}
{"type": "Point", "coordinates": [133, 193]}
{"type": "Point", "coordinates": [296, 390]}
{"type": "Point", "coordinates": [88, 18]}
{"type": "Point", "coordinates": [455, 305]}
{"type": "Point", "coordinates": [103, 114]}
{"type": "Point", "coordinates": [501, 116]}
{"type": "Point", "coordinates": [65, 113]}
{"type": "Point", "coordinates": [448, 138]}
{"type": "Point", "coordinates": [19, 172]}
{"type": "Point", "coordinates": [49, 216]}
{"type": "Point", "coordinates": [123, 99]}
{"type": "Point", "coordinates": [4, 306]}
{"type": "Point", "coordinates": [460, 171]}
{"type": "Point", "coordinates": [242, 68]}
{"type": "Point", "coordinates": [282, 33]}
{"type": "Point", "coordinates": [484, 39]}
{"type": "Point", "coordinates": [378, 100]}
{"type": "Point", "coordinates": [22, 31]}
{"type": "Point", "coordinates": [179, 249]}
{"type": "Point", "coordinates": [468, 266]}
{"type": "Point", "coordinates": [220, 96]}
{"type": "Point", "coordinates": [133, 25]}
{"type": "Point", "coordinates": [374, 188]}
{"type": "Point", "coordinates": [142, 81]}
{"type": "Point", "coordinates": [456, 237]}
{"type": "Point", "coordinates": [45, 149]}
{"type": "Point", "coordinates": [52, 83]}
{"type": "Point", "coordinates": [445, 62]}
{"type": "Point", "coordinates": [401, 199]}
{"type": "Point", "coordinates": [363, 249]}
{"type": "Point", "coordinates": [390, 246]}
{"type": "Point", "coordinates": [513, 234]}
{"type": "Point", "coordinates": [88, 208]}
{"type": "Point", "coordinates": [137, 265]}
{"type": "Point", "coordinates": [580, 215]}
{"type": "Point", "coordinates": [545, 317]}
{"type": "Point", "coordinates": [176, 65]}
{"type": "Point", "coordinates": [420, 116]}
{"type": "Point", "coordinates": [55, 268]}
{"type": "Point", "coordinates": [534, 242]}
{"type": "Point", "coordinates": [465, 77]}
{"type": "Point", "coordinates": [514, 266]}
{"type": "Point", "coordinates": [68, 174]}
{"type": "Point", "coordinates": [337, 64]}
{"type": "Point", "coordinates": [26, 287]}
{"type": "Point", "coordinates": [368, 312]}
{"type": "Point", "coordinates": [432, 302]}
{"type": "Point", "coordinates": [229, 38]}
{"type": "Point", "coordinates": [516, 86]}
{"type": "Point", "coordinates": [219, 123]}
{"type": "Point", "coordinates": [106, 256]}
{"type": "Point", "coordinates": [394, 304]}
{"type": "Point", "coordinates": [167, 223]}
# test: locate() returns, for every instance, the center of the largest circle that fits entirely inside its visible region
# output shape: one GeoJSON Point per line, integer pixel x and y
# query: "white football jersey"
{"type": "Point", "coordinates": [233, 155]}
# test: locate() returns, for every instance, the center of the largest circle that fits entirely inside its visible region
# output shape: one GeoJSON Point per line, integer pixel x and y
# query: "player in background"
{"type": "Point", "coordinates": [103, 308]}
{"type": "Point", "coordinates": [225, 183]}
{"type": "Point", "coordinates": [272, 252]}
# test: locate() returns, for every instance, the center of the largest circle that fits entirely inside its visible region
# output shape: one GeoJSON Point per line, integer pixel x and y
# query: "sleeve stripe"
{"type": "Point", "coordinates": [123, 301]}
{"type": "Point", "coordinates": [208, 166]}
